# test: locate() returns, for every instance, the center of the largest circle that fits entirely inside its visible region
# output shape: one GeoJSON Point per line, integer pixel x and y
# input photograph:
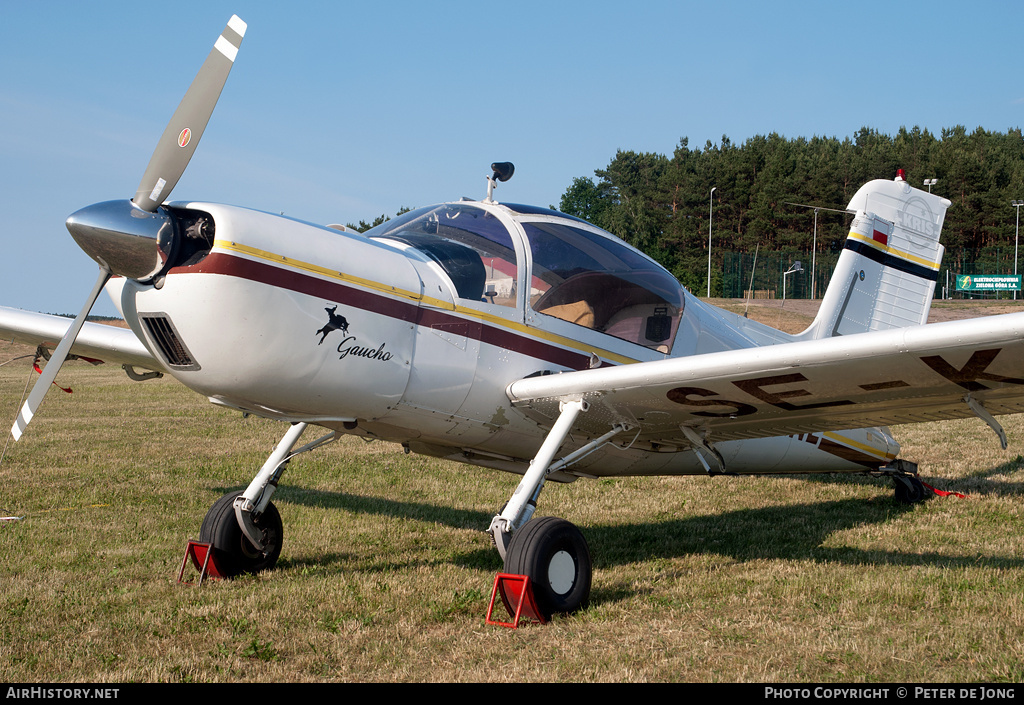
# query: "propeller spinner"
{"type": "Point", "coordinates": [134, 238]}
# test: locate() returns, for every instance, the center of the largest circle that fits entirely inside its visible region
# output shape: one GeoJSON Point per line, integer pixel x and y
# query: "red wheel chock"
{"type": "Point", "coordinates": [516, 594]}
{"type": "Point", "coordinates": [201, 555]}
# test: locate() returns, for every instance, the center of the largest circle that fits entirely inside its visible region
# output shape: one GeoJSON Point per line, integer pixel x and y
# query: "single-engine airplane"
{"type": "Point", "coordinates": [516, 338]}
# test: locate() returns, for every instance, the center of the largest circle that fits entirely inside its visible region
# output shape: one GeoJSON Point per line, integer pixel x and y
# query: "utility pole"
{"type": "Point", "coordinates": [1016, 235]}
{"type": "Point", "coordinates": [711, 210]}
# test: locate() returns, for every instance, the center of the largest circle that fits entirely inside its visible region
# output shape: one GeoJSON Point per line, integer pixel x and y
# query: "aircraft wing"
{"type": "Point", "coordinates": [96, 341]}
{"type": "Point", "coordinates": [901, 375]}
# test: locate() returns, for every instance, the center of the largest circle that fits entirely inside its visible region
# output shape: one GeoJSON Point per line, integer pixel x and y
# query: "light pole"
{"type": "Point", "coordinates": [929, 183]}
{"type": "Point", "coordinates": [1016, 234]}
{"type": "Point", "coordinates": [792, 270]}
{"type": "Point", "coordinates": [711, 210]}
{"type": "Point", "coordinates": [814, 243]}
{"type": "Point", "coordinates": [814, 253]}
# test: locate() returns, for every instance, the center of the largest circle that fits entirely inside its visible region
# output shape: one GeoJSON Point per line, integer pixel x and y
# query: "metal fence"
{"type": "Point", "coordinates": [763, 274]}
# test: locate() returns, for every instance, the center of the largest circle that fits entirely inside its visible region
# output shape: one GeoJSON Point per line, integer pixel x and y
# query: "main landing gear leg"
{"type": "Point", "coordinates": [245, 529]}
{"type": "Point", "coordinates": [550, 551]}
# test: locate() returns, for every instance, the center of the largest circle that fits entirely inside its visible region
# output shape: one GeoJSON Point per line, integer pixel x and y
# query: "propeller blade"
{"type": "Point", "coordinates": [35, 397]}
{"type": "Point", "coordinates": [178, 143]}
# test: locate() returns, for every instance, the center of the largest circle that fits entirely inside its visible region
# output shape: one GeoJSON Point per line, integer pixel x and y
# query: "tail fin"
{"type": "Point", "coordinates": [886, 275]}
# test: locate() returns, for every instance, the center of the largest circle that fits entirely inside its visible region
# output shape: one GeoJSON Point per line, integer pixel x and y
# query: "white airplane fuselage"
{"type": "Point", "coordinates": [299, 322]}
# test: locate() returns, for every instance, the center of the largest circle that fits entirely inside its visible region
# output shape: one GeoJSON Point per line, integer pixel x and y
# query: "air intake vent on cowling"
{"type": "Point", "coordinates": [165, 337]}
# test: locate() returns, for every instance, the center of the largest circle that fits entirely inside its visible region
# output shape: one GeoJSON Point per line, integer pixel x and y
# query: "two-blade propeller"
{"type": "Point", "coordinates": [178, 143]}
{"type": "Point", "coordinates": [132, 239]}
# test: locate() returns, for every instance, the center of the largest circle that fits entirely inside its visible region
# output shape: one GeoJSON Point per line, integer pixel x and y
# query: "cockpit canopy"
{"type": "Point", "coordinates": [575, 272]}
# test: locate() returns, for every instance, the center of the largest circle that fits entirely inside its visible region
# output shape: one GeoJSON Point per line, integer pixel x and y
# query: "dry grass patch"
{"type": "Point", "coordinates": [386, 569]}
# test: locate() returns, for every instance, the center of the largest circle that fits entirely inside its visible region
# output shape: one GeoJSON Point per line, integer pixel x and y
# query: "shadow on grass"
{"type": "Point", "coordinates": [383, 507]}
{"type": "Point", "coordinates": [380, 506]}
{"type": "Point", "coordinates": [980, 477]}
{"type": "Point", "coordinates": [978, 482]}
{"type": "Point", "coordinates": [787, 532]}
{"type": "Point", "coordinates": [790, 532]}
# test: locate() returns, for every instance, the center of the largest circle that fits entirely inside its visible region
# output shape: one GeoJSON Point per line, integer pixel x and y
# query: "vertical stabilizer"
{"type": "Point", "coordinates": [886, 274]}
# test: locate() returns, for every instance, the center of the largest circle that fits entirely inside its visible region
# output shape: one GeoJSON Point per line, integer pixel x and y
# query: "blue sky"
{"type": "Point", "coordinates": [341, 111]}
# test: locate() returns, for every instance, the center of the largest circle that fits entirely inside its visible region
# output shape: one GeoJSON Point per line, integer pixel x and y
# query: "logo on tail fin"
{"type": "Point", "coordinates": [916, 217]}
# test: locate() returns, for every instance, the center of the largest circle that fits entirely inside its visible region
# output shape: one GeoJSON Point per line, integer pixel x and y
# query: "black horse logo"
{"type": "Point", "coordinates": [335, 321]}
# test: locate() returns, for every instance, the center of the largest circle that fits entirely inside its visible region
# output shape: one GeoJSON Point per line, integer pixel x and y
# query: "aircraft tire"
{"type": "Point", "coordinates": [554, 555]}
{"type": "Point", "coordinates": [233, 553]}
{"type": "Point", "coordinates": [910, 490]}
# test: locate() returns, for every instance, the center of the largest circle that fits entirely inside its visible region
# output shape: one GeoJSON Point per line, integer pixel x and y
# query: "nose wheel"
{"type": "Point", "coordinates": [234, 553]}
{"type": "Point", "coordinates": [554, 555]}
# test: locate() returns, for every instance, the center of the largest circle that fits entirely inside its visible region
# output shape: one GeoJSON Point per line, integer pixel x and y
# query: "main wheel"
{"type": "Point", "coordinates": [910, 489]}
{"type": "Point", "coordinates": [233, 553]}
{"type": "Point", "coordinates": [554, 555]}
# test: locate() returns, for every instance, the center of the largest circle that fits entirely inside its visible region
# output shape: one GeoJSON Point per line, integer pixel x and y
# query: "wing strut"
{"type": "Point", "coordinates": [982, 413]}
{"type": "Point", "coordinates": [523, 503]}
{"type": "Point", "coordinates": [701, 443]}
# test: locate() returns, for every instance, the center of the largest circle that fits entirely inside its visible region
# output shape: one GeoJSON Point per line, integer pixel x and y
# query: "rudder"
{"type": "Point", "coordinates": [886, 274]}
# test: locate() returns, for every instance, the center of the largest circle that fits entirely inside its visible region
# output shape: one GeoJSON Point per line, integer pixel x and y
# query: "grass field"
{"type": "Point", "coordinates": [386, 569]}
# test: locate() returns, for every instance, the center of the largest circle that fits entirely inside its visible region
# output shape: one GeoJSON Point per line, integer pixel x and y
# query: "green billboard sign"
{"type": "Point", "coordinates": [988, 282]}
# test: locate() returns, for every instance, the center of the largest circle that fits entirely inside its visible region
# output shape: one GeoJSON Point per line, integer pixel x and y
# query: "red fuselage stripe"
{"type": "Point", "coordinates": [263, 273]}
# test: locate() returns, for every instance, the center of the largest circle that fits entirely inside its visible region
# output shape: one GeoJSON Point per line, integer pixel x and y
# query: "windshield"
{"type": "Point", "coordinates": [579, 275]}
{"type": "Point", "coordinates": [471, 245]}
{"type": "Point", "coordinates": [601, 283]}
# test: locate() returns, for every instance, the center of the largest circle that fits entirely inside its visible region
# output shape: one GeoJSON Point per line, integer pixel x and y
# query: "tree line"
{"type": "Point", "coordinates": [761, 195]}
